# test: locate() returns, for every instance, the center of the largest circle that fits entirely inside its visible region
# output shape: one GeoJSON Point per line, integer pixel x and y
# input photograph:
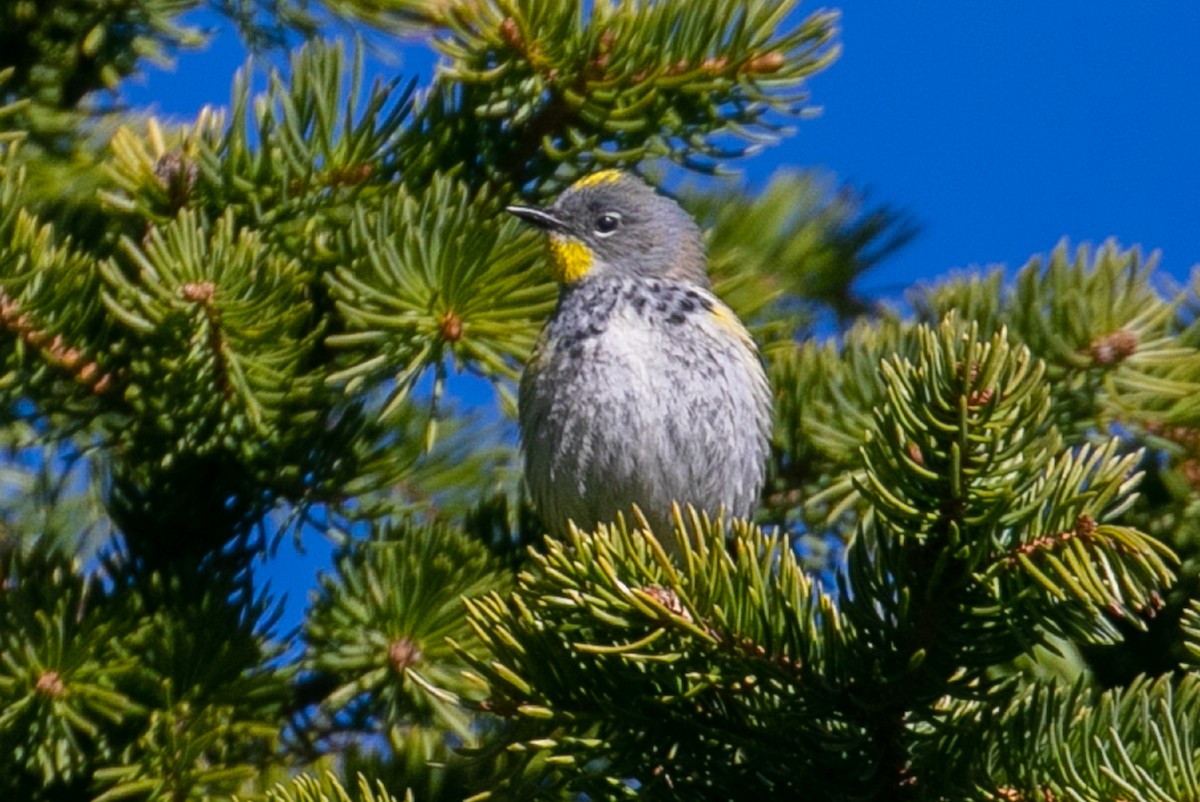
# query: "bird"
{"type": "Point", "coordinates": [644, 389]}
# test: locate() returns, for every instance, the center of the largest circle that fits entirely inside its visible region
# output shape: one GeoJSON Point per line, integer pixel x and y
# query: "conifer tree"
{"type": "Point", "coordinates": [973, 572]}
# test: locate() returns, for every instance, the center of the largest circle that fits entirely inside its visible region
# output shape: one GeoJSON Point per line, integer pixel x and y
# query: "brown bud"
{"type": "Point", "coordinates": [451, 327]}
{"type": "Point", "coordinates": [678, 68]}
{"type": "Point", "coordinates": [403, 653]}
{"type": "Point", "coordinates": [350, 175]}
{"type": "Point", "coordinates": [50, 684]}
{"type": "Point", "coordinates": [198, 291]}
{"type": "Point", "coordinates": [669, 599]}
{"type": "Point", "coordinates": [70, 357]}
{"type": "Point", "coordinates": [979, 398]}
{"type": "Point", "coordinates": [177, 173]}
{"type": "Point", "coordinates": [511, 34]}
{"type": "Point", "coordinates": [1115, 347]}
{"type": "Point", "coordinates": [766, 63]}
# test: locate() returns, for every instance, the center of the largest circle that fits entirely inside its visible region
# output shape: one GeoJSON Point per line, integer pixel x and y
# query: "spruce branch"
{"type": "Point", "coordinates": [990, 488]}
{"type": "Point", "coordinates": [1110, 568]}
{"type": "Point", "coordinates": [327, 788]}
{"type": "Point", "coordinates": [58, 60]}
{"type": "Point", "coordinates": [189, 754]}
{"type": "Point", "coordinates": [409, 291]}
{"type": "Point", "coordinates": [550, 84]}
{"type": "Point", "coordinates": [609, 651]}
{"type": "Point", "coordinates": [1111, 341]}
{"type": "Point", "coordinates": [52, 347]}
{"type": "Point", "coordinates": [380, 624]}
{"type": "Point", "coordinates": [271, 24]}
{"type": "Point", "coordinates": [47, 286]}
{"type": "Point", "coordinates": [1190, 625]}
{"type": "Point", "coordinates": [1116, 355]}
{"type": "Point", "coordinates": [1071, 742]}
{"type": "Point", "coordinates": [53, 501]}
{"type": "Point", "coordinates": [376, 646]}
{"type": "Point", "coordinates": [61, 676]}
{"type": "Point", "coordinates": [279, 300]}
{"type": "Point", "coordinates": [154, 176]}
{"type": "Point", "coordinates": [793, 249]}
{"type": "Point", "coordinates": [291, 162]}
{"type": "Point", "coordinates": [825, 396]}
{"type": "Point", "coordinates": [9, 109]}
{"type": "Point", "coordinates": [403, 18]}
{"type": "Point", "coordinates": [229, 302]}
{"type": "Point", "coordinates": [206, 677]}
{"type": "Point", "coordinates": [966, 494]}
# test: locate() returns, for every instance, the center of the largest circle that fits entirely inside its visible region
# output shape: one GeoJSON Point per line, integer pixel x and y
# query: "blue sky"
{"type": "Point", "coordinates": [1004, 127]}
{"type": "Point", "coordinates": [1000, 127]}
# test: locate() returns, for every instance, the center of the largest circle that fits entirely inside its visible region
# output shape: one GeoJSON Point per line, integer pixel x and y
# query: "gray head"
{"type": "Point", "coordinates": [611, 224]}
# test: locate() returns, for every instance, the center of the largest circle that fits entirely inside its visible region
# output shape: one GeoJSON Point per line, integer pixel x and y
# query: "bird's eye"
{"type": "Point", "coordinates": [607, 223]}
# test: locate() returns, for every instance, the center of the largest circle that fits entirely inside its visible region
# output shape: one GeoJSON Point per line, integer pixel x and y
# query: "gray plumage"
{"type": "Point", "coordinates": [644, 388]}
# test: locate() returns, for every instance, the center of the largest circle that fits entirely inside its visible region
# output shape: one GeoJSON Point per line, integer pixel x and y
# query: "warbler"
{"type": "Point", "coordinates": [644, 388]}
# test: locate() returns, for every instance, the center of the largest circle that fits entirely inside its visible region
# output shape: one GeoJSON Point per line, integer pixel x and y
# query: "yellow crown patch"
{"type": "Point", "coordinates": [596, 179]}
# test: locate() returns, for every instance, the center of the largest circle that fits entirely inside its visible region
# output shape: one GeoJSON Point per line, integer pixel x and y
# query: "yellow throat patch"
{"type": "Point", "coordinates": [570, 259]}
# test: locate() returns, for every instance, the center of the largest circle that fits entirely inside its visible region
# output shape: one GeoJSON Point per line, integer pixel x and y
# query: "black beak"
{"type": "Point", "coordinates": [539, 217]}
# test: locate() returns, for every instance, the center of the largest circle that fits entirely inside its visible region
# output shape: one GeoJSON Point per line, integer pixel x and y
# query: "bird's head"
{"type": "Point", "coordinates": [614, 224]}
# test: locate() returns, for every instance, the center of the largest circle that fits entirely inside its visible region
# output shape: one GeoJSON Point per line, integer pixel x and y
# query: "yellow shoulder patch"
{"type": "Point", "coordinates": [596, 179]}
{"type": "Point", "coordinates": [724, 317]}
